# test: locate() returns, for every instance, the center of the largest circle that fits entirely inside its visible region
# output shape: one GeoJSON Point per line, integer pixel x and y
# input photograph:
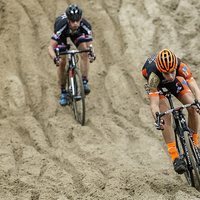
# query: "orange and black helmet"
{"type": "Point", "coordinates": [166, 61]}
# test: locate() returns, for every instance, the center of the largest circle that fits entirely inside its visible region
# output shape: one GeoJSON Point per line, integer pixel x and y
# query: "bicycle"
{"type": "Point", "coordinates": [75, 91]}
{"type": "Point", "coordinates": [186, 147]}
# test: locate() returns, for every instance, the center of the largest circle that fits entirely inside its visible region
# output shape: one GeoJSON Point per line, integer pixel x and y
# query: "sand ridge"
{"type": "Point", "coordinates": [118, 154]}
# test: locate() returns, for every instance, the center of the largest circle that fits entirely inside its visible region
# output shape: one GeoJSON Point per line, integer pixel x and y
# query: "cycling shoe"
{"type": "Point", "coordinates": [86, 89]}
{"type": "Point", "coordinates": [63, 100]}
{"type": "Point", "coordinates": [179, 166]}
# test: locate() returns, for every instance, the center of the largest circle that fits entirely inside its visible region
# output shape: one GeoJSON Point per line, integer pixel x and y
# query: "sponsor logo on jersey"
{"type": "Point", "coordinates": [165, 81]}
{"type": "Point", "coordinates": [87, 29]}
{"type": "Point", "coordinates": [184, 70]}
{"type": "Point", "coordinates": [64, 16]}
{"type": "Point", "coordinates": [58, 33]}
{"type": "Point", "coordinates": [178, 84]}
{"type": "Point", "coordinates": [178, 89]}
{"type": "Point", "coordinates": [54, 36]}
{"type": "Point", "coordinates": [160, 92]}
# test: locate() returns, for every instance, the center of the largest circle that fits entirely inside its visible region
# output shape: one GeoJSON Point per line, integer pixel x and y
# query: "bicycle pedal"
{"type": "Point", "coordinates": [78, 98]}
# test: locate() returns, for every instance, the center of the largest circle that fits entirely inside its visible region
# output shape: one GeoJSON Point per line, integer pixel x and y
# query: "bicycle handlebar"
{"type": "Point", "coordinates": [196, 103]}
{"type": "Point", "coordinates": [76, 51]}
{"type": "Point", "coordinates": [58, 53]}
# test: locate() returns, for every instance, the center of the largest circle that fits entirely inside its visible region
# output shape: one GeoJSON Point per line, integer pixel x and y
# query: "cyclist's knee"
{"type": "Point", "coordinates": [62, 64]}
{"type": "Point", "coordinates": [191, 110]}
{"type": "Point", "coordinates": [167, 118]}
{"type": "Point", "coordinates": [84, 56]}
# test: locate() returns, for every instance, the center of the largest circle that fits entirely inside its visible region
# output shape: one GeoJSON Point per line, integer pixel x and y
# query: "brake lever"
{"type": "Point", "coordinates": [57, 55]}
{"type": "Point", "coordinates": [91, 53]}
{"type": "Point", "coordinates": [91, 49]}
{"type": "Point", "coordinates": [197, 103]}
{"type": "Point", "coordinates": [158, 116]}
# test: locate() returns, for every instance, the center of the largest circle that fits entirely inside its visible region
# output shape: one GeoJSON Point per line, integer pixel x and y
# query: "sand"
{"type": "Point", "coordinates": [118, 155]}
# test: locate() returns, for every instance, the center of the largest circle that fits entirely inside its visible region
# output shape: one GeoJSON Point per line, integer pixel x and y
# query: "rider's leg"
{"type": "Point", "coordinates": [84, 65]}
{"type": "Point", "coordinates": [168, 132]}
{"type": "Point", "coordinates": [193, 118]}
{"type": "Point", "coordinates": [186, 97]}
{"type": "Point", "coordinates": [62, 76]}
{"type": "Point", "coordinates": [61, 71]}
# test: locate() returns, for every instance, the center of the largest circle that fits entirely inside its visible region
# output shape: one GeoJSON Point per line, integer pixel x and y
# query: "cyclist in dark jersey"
{"type": "Point", "coordinates": [165, 70]}
{"type": "Point", "coordinates": [72, 25]}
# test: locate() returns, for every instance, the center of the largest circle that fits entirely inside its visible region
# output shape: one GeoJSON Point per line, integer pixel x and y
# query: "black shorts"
{"type": "Point", "coordinates": [178, 88]}
{"type": "Point", "coordinates": [76, 39]}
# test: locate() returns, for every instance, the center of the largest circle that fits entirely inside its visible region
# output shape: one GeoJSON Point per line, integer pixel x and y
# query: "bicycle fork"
{"type": "Point", "coordinates": [72, 82]}
{"type": "Point", "coordinates": [72, 63]}
{"type": "Point", "coordinates": [180, 134]}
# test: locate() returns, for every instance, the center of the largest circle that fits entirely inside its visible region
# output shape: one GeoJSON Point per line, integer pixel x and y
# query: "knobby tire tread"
{"type": "Point", "coordinates": [79, 110]}
{"type": "Point", "coordinates": [192, 158]}
{"type": "Point", "coordinates": [189, 173]}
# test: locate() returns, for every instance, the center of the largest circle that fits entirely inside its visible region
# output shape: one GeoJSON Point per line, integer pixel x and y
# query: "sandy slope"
{"type": "Point", "coordinates": [44, 153]}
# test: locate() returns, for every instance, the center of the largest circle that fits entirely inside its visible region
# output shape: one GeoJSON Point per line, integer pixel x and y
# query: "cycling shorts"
{"type": "Point", "coordinates": [178, 88]}
{"type": "Point", "coordinates": [76, 39]}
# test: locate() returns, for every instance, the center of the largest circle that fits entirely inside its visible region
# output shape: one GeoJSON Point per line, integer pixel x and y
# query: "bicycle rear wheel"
{"type": "Point", "coordinates": [194, 159]}
{"type": "Point", "coordinates": [79, 97]}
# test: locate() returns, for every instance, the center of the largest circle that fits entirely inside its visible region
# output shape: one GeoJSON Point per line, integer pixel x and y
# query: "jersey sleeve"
{"type": "Point", "coordinates": [185, 72]}
{"type": "Point", "coordinates": [59, 26]}
{"type": "Point", "coordinates": [86, 28]}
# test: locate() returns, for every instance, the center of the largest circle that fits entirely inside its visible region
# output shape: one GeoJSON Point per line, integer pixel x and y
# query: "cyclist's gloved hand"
{"type": "Point", "coordinates": [197, 106]}
{"type": "Point", "coordinates": [56, 61]}
{"type": "Point", "coordinates": [197, 110]}
{"type": "Point", "coordinates": [159, 123]}
{"type": "Point", "coordinates": [92, 57]}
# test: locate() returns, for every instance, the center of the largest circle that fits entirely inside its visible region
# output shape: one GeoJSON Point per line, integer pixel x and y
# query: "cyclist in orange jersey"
{"type": "Point", "coordinates": [166, 70]}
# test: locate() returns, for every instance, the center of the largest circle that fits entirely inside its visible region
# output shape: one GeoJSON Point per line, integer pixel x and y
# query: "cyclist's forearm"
{"type": "Point", "coordinates": [154, 101]}
{"type": "Point", "coordinates": [51, 46]}
{"type": "Point", "coordinates": [195, 89]}
{"type": "Point", "coordinates": [154, 110]}
{"type": "Point", "coordinates": [51, 52]}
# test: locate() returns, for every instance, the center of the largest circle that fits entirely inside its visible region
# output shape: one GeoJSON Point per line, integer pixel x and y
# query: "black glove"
{"type": "Point", "coordinates": [55, 60]}
{"type": "Point", "coordinates": [157, 124]}
{"type": "Point", "coordinates": [197, 106]}
{"type": "Point", "coordinates": [93, 56]}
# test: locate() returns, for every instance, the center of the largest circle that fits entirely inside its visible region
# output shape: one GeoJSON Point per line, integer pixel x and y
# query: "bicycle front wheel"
{"type": "Point", "coordinates": [194, 159]}
{"type": "Point", "coordinates": [78, 97]}
{"type": "Point", "coordinates": [180, 149]}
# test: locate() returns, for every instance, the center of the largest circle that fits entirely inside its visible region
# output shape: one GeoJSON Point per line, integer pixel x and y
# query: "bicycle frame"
{"type": "Point", "coordinates": [72, 65]}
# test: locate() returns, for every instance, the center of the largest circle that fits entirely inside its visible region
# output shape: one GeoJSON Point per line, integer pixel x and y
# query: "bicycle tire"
{"type": "Point", "coordinates": [70, 98]}
{"type": "Point", "coordinates": [180, 145]}
{"type": "Point", "coordinates": [79, 98]}
{"type": "Point", "coordinates": [193, 159]}
{"type": "Point", "coordinates": [189, 176]}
